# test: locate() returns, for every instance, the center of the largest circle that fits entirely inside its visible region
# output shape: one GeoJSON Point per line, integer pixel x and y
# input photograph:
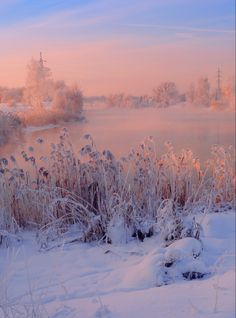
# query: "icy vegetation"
{"type": "Point", "coordinates": [10, 126]}
{"type": "Point", "coordinates": [166, 94]}
{"type": "Point", "coordinates": [51, 102]}
{"type": "Point", "coordinates": [41, 102]}
{"type": "Point", "coordinates": [50, 99]}
{"type": "Point", "coordinates": [140, 195]}
{"type": "Point", "coordinates": [45, 101]}
{"type": "Point", "coordinates": [85, 234]}
{"type": "Point", "coordinates": [88, 235]}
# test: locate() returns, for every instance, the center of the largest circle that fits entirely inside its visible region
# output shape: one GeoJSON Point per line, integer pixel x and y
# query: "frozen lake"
{"type": "Point", "coordinates": [121, 129]}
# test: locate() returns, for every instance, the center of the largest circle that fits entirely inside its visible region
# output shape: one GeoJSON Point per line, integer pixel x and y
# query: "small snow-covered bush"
{"type": "Point", "coordinates": [67, 99]}
{"type": "Point", "coordinates": [109, 199]}
{"type": "Point", "coordinates": [10, 125]}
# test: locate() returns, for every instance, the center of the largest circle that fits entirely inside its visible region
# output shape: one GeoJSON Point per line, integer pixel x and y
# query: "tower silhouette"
{"type": "Point", "coordinates": [41, 60]}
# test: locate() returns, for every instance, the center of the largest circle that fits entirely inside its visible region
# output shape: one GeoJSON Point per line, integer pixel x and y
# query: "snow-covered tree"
{"type": "Point", "coordinates": [38, 83]}
{"type": "Point", "coordinates": [166, 94]}
{"type": "Point", "coordinates": [202, 93]}
{"type": "Point", "coordinates": [228, 92]}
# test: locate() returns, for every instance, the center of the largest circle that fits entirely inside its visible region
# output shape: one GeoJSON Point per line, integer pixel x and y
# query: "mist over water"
{"type": "Point", "coordinates": [119, 130]}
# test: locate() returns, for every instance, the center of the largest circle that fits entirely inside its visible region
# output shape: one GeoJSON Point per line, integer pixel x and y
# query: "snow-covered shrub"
{"type": "Point", "coordinates": [118, 230]}
{"type": "Point", "coordinates": [67, 99]}
{"type": "Point", "coordinates": [11, 96]}
{"type": "Point", "coordinates": [10, 126]}
{"type": "Point", "coordinates": [8, 229]}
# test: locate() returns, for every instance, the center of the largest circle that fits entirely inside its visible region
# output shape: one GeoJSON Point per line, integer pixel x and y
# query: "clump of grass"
{"type": "Point", "coordinates": [139, 195]}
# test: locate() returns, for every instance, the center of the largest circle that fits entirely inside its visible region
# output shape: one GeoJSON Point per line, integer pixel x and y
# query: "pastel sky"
{"type": "Point", "coordinates": [110, 46]}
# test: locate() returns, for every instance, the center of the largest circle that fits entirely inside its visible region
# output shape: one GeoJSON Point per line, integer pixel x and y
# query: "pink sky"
{"type": "Point", "coordinates": [121, 66]}
{"type": "Point", "coordinates": [126, 61]}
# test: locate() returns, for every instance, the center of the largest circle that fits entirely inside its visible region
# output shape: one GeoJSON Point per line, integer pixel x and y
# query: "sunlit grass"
{"type": "Point", "coordinates": [143, 193]}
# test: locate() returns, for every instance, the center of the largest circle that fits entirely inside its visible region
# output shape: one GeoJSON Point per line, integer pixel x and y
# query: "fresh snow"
{"type": "Point", "coordinates": [134, 280]}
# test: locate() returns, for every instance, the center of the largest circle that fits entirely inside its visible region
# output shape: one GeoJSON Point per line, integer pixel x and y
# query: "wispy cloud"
{"type": "Point", "coordinates": [185, 35]}
{"type": "Point", "coordinates": [99, 11]}
{"type": "Point", "coordinates": [180, 28]}
{"type": "Point", "coordinates": [103, 44]}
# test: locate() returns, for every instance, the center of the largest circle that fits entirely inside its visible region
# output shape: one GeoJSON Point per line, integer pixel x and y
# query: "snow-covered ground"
{"type": "Point", "coordinates": [31, 129]}
{"type": "Point", "coordinates": [138, 279]}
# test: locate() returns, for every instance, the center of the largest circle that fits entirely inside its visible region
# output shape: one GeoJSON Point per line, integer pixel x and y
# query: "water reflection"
{"type": "Point", "coordinates": [121, 129]}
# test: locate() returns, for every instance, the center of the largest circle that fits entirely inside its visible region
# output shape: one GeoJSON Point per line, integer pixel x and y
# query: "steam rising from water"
{"type": "Point", "coordinates": [121, 129]}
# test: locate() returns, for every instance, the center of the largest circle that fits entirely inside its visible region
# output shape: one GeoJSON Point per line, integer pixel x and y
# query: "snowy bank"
{"type": "Point", "coordinates": [103, 280]}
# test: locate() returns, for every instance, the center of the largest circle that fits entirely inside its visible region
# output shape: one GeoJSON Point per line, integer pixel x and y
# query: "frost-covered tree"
{"type": "Point", "coordinates": [38, 83]}
{"type": "Point", "coordinates": [202, 93]}
{"type": "Point", "coordinates": [228, 92]}
{"type": "Point", "coordinates": [166, 94]}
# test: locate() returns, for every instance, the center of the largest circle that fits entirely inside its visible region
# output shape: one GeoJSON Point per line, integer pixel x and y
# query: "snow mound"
{"type": "Point", "coordinates": [181, 261]}
{"type": "Point", "coordinates": [178, 261]}
{"type": "Point", "coordinates": [183, 249]}
{"type": "Point", "coordinates": [144, 274]}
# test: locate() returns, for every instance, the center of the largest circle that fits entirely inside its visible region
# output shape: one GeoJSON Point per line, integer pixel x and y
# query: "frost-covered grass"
{"type": "Point", "coordinates": [142, 194]}
{"type": "Point", "coordinates": [10, 125]}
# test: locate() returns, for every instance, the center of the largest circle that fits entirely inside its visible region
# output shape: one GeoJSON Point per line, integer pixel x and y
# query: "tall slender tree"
{"type": "Point", "coordinates": [38, 83]}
